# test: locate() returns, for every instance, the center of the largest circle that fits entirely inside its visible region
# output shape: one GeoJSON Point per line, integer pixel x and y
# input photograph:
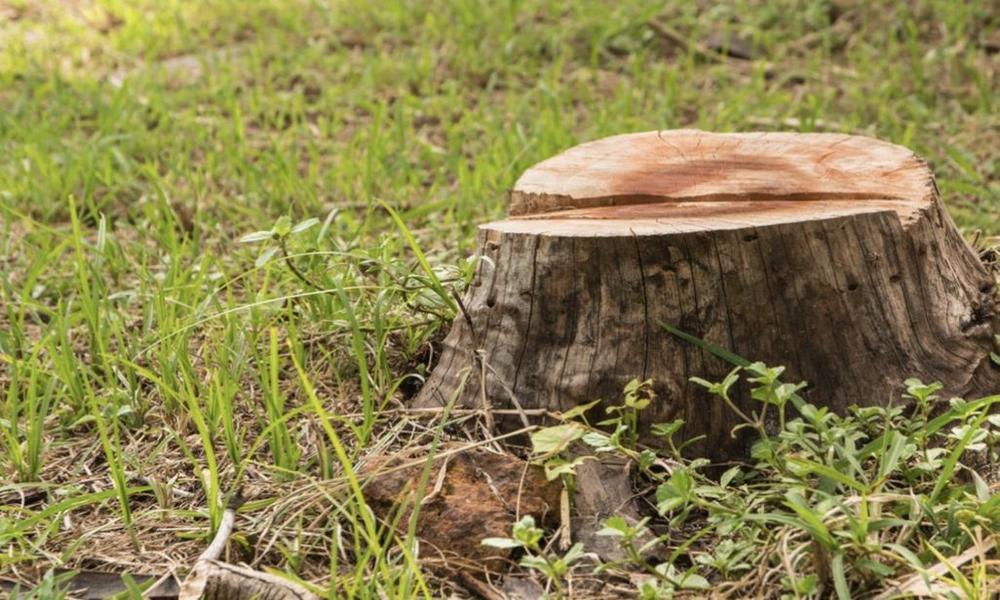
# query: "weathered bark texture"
{"type": "Point", "coordinates": [214, 580]}
{"type": "Point", "coordinates": [830, 254]}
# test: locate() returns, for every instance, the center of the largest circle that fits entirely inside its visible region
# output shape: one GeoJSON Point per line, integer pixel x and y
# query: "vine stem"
{"type": "Point", "coordinates": [291, 266]}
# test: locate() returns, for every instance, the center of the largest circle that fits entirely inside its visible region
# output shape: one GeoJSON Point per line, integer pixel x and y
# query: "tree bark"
{"type": "Point", "coordinates": [830, 254]}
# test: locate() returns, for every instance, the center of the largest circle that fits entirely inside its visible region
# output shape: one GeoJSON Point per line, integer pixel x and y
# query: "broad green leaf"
{"type": "Point", "coordinates": [728, 476]}
{"type": "Point", "coordinates": [949, 464]}
{"type": "Point", "coordinates": [265, 256]}
{"type": "Point", "coordinates": [801, 466]}
{"type": "Point", "coordinates": [283, 226]}
{"type": "Point", "coordinates": [675, 492]}
{"type": "Point", "coordinates": [535, 562]}
{"type": "Point", "coordinates": [573, 554]}
{"type": "Point", "coordinates": [693, 581]}
{"type": "Point", "coordinates": [615, 526]}
{"type": "Point", "coordinates": [982, 488]}
{"type": "Point", "coordinates": [525, 531]}
{"type": "Point", "coordinates": [665, 430]}
{"type": "Point", "coordinates": [578, 410]}
{"type": "Point", "coordinates": [303, 225]}
{"type": "Point", "coordinates": [840, 578]}
{"type": "Point", "coordinates": [810, 520]}
{"type": "Point", "coordinates": [596, 440]}
{"type": "Point", "coordinates": [875, 567]}
{"type": "Point", "coordinates": [908, 554]}
{"type": "Point", "coordinates": [499, 542]}
{"type": "Point", "coordinates": [646, 459]}
{"type": "Point", "coordinates": [935, 425]}
{"type": "Point", "coordinates": [554, 467]}
{"type": "Point", "coordinates": [552, 440]}
{"type": "Point", "coordinates": [257, 236]}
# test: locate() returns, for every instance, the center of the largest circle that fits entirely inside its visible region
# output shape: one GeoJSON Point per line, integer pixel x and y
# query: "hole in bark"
{"type": "Point", "coordinates": [491, 301]}
{"type": "Point", "coordinates": [979, 316]}
{"type": "Point", "coordinates": [750, 237]}
{"type": "Point", "coordinates": [895, 278]}
{"type": "Point", "coordinates": [988, 287]}
{"type": "Point", "coordinates": [852, 285]}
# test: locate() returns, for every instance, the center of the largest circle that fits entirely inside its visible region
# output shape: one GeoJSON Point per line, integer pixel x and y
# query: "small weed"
{"type": "Point", "coordinates": [527, 537]}
{"type": "Point", "coordinates": [150, 363]}
{"type": "Point", "coordinates": [842, 505]}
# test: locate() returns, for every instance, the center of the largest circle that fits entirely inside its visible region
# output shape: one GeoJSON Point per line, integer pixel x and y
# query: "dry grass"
{"type": "Point", "coordinates": [178, 127]}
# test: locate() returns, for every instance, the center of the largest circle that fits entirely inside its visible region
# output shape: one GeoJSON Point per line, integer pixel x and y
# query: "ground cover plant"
{"type": "Point", "coordinates": [231, 234]}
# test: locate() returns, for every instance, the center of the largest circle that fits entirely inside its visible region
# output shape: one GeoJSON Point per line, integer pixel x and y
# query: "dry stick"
{"type": "Point", "coordinates": [460, 449]}
{"type": "Point", "coordinates": [215, 579]}
{"type": "Point", "coordinates": [676, 38]}
{"type": "Point", "coordinates": [510, 393]}
{"type": "Point", "coordinates": [214, 550]}
{"type": "Point", "coordinates": [433, 411]}
{"type": "Point", "coordinates": [486, 407]}
{"type": "Point", "coordinates": [479, 587]}
{"type": "Point", "coordinates": [465, 313]}
{"type": "Point", "coordinates": [438, 483]}
{"type": "Point", "coordinates": [565, 531]}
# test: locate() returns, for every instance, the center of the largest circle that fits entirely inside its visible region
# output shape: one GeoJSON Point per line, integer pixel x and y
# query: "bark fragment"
{"type": "Point", "coordinates": [472, 495]}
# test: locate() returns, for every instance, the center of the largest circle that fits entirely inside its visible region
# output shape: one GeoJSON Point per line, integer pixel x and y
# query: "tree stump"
{"type": "Point", "coordinates": [830, 254]}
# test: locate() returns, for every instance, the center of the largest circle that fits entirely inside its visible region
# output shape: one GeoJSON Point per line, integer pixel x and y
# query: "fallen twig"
{"type": "Point", "coordinates": [212, 578]}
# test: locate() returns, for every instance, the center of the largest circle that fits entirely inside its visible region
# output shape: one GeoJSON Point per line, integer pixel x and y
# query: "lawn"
{"type": "Point", "coordinates": [155, 356]}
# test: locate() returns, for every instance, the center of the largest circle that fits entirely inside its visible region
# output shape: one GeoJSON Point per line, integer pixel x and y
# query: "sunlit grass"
{"type": "Point", "coordinates": [150, 364]}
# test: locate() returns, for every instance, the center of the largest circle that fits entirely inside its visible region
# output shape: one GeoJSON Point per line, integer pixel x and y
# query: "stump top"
{"type": "Point", "coordinates": [693, 180]}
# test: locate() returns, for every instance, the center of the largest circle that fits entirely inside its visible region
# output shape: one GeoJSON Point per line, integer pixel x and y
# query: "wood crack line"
{"type": "Point", "coordinates": [531, 312]}
{"type": "Point", "coordinates": [645, 308]}
{"type": "Point", "coordinates": [796, 302]}
{"type": "Point", "coordinates": [725, 300]}
{"type": "Point", "coordinates": [572, 316]}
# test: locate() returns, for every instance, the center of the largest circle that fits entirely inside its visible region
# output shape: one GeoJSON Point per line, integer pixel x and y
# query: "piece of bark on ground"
{"type": "Point", "coordinates": [215, 580]}
{"type": "Point", "coordinates": [479, 494]}
{"type": "Point", "coordinates": [603, 490]}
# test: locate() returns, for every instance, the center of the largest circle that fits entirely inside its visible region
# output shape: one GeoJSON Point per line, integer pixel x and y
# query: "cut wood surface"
{"type": "Point", "coordinates": [695, 166]}
{"type": "Point", "coordinates": [830, 254]}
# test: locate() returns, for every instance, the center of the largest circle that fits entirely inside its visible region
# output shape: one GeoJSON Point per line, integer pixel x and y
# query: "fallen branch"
{"type": "Point", "coordinates": [216, 580]}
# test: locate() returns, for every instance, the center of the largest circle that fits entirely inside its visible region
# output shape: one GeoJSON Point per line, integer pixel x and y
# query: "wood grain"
{"type": "Point", "coordinates": [689, 165]}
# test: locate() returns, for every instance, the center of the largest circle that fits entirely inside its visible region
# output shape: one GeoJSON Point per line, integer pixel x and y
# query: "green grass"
{"type": "Point", "coordinates": [139, 141]}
